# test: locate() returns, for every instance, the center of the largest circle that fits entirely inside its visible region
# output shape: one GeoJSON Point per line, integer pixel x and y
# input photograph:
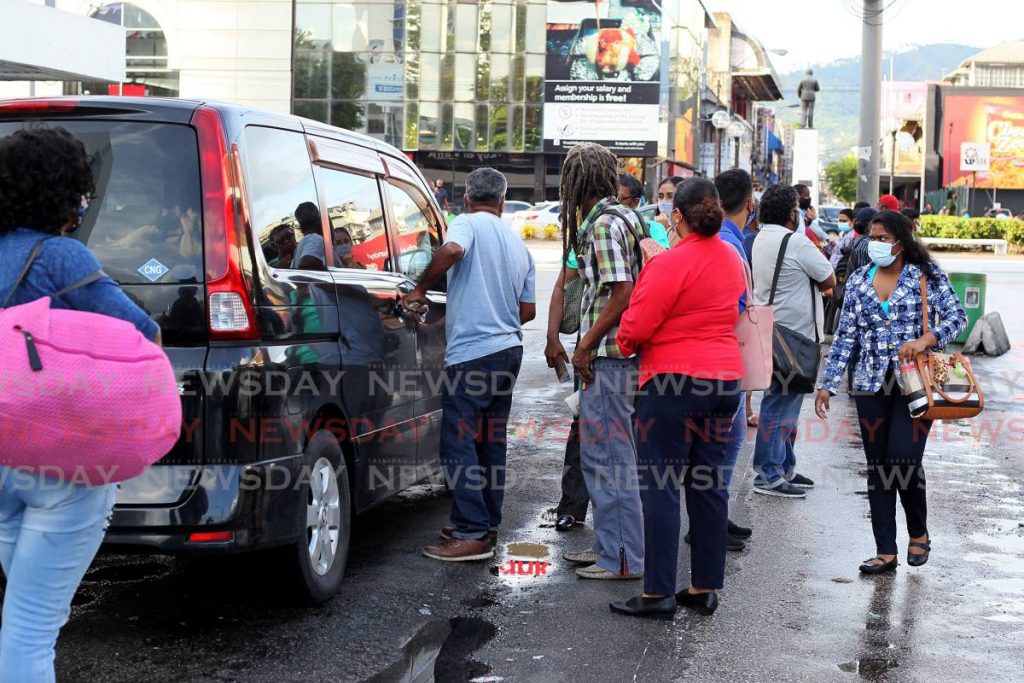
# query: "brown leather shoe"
{"type": "Point", "coordinates": [447, 531]}
{"type": "Point", "coordinates": [460, 550]}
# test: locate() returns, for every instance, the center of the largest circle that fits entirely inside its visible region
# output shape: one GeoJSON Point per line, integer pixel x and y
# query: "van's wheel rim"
{"type": "Point", "coordinates": [323, 516]}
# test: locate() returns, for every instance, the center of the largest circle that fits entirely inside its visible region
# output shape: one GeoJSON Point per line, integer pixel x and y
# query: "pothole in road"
{"type": "Point", "coordinates": [441, 651]}
{"type": "Point", "coordinates": [126, 572]}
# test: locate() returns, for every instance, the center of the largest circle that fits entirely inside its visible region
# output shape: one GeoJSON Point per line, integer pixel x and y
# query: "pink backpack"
{"type": "Point", "coordinates": [84, 397]}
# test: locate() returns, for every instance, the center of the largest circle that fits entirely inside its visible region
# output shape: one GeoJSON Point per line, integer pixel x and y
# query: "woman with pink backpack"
{"type": "Point", "coordinates": [57, 479]}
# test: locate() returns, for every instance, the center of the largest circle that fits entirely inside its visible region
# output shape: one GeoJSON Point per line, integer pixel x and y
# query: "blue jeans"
{"type": "Point", "coordinates": [774, 457]}
{"type": "Point", "coordinates": [476, 403]}
{"type": "Point", "coordinates": [737, 436]}
{"type": "Point", "coordinates": [49, 533]}
{"type": "Point", "coordinates": [608, 459]}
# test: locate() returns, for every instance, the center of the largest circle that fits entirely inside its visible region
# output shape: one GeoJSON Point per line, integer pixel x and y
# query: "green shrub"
{"type": "Point", "coordinates": [551, 232]}
{"type": "Point", "coordinates": [955, 227]}
{"type": "Point", "coordinates": [529, 232]}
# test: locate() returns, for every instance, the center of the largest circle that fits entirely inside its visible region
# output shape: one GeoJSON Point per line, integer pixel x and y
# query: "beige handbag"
{"type": "Point", "coordinates": [942, 386]}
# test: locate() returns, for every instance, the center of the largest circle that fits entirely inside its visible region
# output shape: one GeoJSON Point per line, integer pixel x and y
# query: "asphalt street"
{"type": "Point", "coordinates": [794, 607]}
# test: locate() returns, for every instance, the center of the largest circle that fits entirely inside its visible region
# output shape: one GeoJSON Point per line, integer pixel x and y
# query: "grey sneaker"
{"type": "Point", "coordinates": [781, 490]}
{"type": "Point", "coordinates": [601, 574]}
{"type": "Point", "coordinates": [582, 557]}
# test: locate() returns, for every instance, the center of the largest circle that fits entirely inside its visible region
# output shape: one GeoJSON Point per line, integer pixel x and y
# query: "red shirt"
{"type": "Point", "coordinates": [682, 315]}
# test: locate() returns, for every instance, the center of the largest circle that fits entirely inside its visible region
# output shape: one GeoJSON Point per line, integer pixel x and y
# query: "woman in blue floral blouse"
{"type": "Point", "coordinates": [882, 313]}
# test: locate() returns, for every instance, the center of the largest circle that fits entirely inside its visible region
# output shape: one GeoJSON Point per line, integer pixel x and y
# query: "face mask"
{"type": "Point", "coordinates": [343, 251]}
{"type": "Point", "coordinates": [844, 227]}
{"type": "Point", "coordinates": [881, 253]}
{"type": "Point", "coordinates": [665, 208]}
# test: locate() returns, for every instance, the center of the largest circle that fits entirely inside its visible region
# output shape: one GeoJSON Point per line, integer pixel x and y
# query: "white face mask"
{"type": "Point", "coordinates": [665, 208]}
{"type": "Point", "coordinates": [881, 253]}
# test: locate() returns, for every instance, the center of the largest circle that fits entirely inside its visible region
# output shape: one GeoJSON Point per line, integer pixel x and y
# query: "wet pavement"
{"type": "Point", "coordinates": [794, 607]}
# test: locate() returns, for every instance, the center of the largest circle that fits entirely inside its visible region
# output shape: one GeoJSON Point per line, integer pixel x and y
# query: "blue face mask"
{"type": "Point", "coordinates": [844, 227]}
{"type": "Point", "coordinates": [881, 253]}
{"type": "Point", "coordinates": [665, 208]}
{"type": "Point", "coordinates": [343, 251]}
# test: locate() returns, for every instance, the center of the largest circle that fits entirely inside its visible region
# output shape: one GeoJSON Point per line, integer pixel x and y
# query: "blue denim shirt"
{"type": "Point", "coordinates": [881, 335]}
{"type": "Point", "coordinates": [61, 262]}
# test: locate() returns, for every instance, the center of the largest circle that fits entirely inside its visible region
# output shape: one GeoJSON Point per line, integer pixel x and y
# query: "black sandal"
{"type": "Point", "coordinates": [871, 567]}
{"type": "Point", "coordinates": [917, 559]}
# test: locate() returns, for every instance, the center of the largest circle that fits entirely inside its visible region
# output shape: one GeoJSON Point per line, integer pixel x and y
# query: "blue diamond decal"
{"type": "Point", "coordinates": [153, 270]}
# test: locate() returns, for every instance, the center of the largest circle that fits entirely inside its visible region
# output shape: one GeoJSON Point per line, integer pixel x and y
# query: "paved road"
{"type": "Point", "coordinates": [794, 607]}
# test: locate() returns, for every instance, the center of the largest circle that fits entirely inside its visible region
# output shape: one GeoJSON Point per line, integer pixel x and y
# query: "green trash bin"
{"type": "Point", "coordinates": [970, 287]}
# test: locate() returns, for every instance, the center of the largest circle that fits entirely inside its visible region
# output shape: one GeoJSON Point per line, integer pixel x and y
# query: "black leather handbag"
{"type": "Point", "coordinates": [795, 358]}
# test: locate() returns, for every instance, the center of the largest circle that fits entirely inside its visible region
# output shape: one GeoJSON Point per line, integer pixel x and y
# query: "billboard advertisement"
{"type": "Point", "coordinates": [903, 106]}
{"type": "Point", "coordinates": [997, 121]}
{"type": "Point", "coordinates": [603, 75]}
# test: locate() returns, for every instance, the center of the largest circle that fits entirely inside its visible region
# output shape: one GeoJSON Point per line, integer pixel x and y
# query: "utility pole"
{"type": "Point", "coordinates": [870, 103]}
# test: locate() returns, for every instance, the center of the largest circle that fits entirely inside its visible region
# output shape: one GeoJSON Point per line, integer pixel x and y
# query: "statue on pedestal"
{"type": "Point", "coordinates": [806, 92]}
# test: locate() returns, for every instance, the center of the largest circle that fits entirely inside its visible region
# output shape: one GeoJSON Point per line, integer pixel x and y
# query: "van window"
{"type": "Point", "coordinates": [145, 222]}
{"type": "Point", "coordinates": [356, 217]}
{"type": "Point", "coordinates": [279, 182]}
{"type": "Point", "coordinates": [418, 236]}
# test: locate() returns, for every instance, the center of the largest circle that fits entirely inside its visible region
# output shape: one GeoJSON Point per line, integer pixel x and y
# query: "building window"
{"type": "Point", "coordinates": [146, 54]}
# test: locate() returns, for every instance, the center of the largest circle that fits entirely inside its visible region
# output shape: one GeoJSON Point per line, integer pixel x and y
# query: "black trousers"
{"type": "Point", "coordinates": [894, 445]}
{"type": "Point", "coordinates": [684, 434]}
{"type": "Point", "coordinates": [575, 498]}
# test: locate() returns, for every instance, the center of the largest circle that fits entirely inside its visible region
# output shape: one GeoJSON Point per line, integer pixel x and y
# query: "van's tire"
{"type": "Point", "coordinates": [316, 561]}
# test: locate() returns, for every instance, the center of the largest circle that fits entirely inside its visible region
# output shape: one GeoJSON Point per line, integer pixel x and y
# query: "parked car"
{"type": "Point", "coordinates": [999, 213]}
{"type": "Point", "coordinates": [306, 393]}
{"type": "Point", "coordinates": [538, 216]}
{"type": "Point", "coordinates": [512, 207]}
{"type": "Point", "coordinates": [828, 218]}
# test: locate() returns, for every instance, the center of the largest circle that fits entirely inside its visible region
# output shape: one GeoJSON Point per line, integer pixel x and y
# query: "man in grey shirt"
{"type": "Point", "coordinates": [491, 294]}
{"type": "Point", "coordinates": [805, 271]}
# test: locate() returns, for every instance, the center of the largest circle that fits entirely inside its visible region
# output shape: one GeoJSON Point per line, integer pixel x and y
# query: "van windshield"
{"type": "Point", "coordinates": [145, 222]}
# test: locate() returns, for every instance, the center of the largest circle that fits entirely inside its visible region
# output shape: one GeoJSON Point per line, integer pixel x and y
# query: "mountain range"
{"type": "Point", "coordinates": [837, 111]}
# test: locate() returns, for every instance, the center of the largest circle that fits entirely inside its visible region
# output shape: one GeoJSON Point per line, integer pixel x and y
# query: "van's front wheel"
{"type": "Point", "coordinates": [320, 553]}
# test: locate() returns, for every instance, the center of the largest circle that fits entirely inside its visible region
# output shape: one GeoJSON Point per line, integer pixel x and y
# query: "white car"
{"type": "Point", "coordinates": [511, 209]}
{"type": "Point", "coordinates": [538, 216]}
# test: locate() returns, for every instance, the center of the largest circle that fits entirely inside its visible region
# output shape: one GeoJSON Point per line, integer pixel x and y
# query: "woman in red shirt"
{"type": "Point", "coordinates": [681, 320]}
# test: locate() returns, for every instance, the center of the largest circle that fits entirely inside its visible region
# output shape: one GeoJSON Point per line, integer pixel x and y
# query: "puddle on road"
{"type": "Point", "coordinates": [536, 550]}
{"type": "Point", "coordinates": [126, 572]}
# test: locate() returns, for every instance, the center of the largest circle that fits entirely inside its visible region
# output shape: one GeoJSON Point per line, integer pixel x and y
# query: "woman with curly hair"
{"type": "Point", "coordinates": [681, 320]}
{"type": "Point", "coordinates": [50, 529]}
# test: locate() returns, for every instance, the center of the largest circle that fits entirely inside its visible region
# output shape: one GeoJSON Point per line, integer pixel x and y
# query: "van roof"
{"type": "Point", "coordinates": [175, 110]}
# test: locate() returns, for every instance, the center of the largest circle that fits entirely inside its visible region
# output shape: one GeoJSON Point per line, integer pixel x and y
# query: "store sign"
{"type": "Point", "coordinates": [385, 82]}
{"type": "Point", "coordinates": [975, 157]}
{"type": "Point", "coordinates": [603, 75]}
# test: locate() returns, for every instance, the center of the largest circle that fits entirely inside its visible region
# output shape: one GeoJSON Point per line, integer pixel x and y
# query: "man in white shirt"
{"type": "Point", "coordinates": [797, 306]}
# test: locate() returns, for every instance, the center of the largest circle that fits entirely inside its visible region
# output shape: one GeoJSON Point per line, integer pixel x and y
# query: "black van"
{"type": "Point", "coordinates": [273, 251]}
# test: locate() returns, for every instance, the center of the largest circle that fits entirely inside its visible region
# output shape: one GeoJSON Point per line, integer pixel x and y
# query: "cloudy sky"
{"type": "Point", "coordinates": [822, 30]}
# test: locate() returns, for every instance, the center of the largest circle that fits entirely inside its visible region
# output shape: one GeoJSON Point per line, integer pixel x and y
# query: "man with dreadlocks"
{"type": "Point", "coordinates": [600, 244]}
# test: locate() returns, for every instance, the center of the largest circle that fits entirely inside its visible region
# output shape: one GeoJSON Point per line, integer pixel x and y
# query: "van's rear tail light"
{"type": "Point", "coordinates": [228, 312]}
{"type": "Point", "coordinates": [210, 537]}
{"type": "Point", "coordinates": [228, 299]}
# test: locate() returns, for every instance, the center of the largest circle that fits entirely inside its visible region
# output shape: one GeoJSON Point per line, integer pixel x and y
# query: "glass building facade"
{"type": "Point", "coordinates": [460, 83]}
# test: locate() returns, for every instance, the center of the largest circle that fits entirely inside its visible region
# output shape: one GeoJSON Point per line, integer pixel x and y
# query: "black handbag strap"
{"type": "Point", "coordinates": [778, 267]}
{"type": "Point", "coordinates": [775, 284]}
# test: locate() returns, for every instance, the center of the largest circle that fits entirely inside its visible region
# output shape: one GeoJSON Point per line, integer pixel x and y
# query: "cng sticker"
{"type": "Point", "coordinates": [153, 270]}
{"type": "Point", "coordinates": [972, 297]}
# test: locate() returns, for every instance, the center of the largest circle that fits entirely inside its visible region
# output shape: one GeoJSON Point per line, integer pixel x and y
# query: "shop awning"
{"type": "Point", "coordinates": [40, 43]}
